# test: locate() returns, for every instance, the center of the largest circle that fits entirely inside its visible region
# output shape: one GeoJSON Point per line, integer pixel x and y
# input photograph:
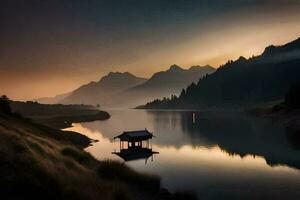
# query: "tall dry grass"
{"type": "Point", "coordinates": [38, 163]}
{"type": "Point", "coordinates": [35, 166]}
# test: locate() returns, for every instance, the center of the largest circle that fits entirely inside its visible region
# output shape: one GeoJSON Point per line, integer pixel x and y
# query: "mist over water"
{"type": "Point", "coordinates": [217, 155]}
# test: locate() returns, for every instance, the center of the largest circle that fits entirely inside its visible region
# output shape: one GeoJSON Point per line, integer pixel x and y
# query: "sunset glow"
{"type": "Point", "coordinates": [48, 42]}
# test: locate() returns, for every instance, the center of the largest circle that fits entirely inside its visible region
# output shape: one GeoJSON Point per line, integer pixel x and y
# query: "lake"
{"type": "Point", "coordinates": [217, 155]}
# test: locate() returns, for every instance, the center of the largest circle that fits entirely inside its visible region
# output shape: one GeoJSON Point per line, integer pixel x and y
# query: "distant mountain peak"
{"type": "Point", "coordinates": [241, 58]}
{"type": "Point", "coordinates": [268, 50]}
{"type": "Point", "coordinates": [117, 75]}
{"type": "Point", "coordinates": [103, 90]}
{"type": "Point", "coordinates": [175, 68]}
{"type": "Point", "coordinates": [113, 73]}
{"type": "Point", "coordinates": [289, 47]}
{"type": "Point", "coordinates": [294, 43]}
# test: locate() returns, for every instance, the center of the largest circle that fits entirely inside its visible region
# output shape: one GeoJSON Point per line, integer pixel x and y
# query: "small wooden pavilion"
{"type": "Point", "coordinates": [138, 145]}
{"type": "Point", "coordinates": [135, 139]}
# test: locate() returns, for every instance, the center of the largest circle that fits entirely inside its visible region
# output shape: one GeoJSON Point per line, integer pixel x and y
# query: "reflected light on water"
{"type": "Point", "coordinates": [187, 155]}
{"type": "Point", "coordinates": [194, 155]}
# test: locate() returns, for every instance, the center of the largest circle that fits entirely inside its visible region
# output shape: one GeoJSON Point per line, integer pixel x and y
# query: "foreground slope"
{"type": "Point", "coordinates": [37, 162]}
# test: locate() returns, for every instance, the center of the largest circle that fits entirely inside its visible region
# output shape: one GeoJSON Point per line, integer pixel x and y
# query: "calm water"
{"type": "Point", "coordinates": [216, 155]}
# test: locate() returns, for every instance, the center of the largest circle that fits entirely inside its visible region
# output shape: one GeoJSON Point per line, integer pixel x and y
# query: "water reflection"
{"type": "Point", "coordinates": [219, 155]}
{"type": "Point", "coordinates": [136, 154]}
{"type": "Point", "coordinates": [232, 132]}
{"type": "Point", "coordinates": [135, 145]}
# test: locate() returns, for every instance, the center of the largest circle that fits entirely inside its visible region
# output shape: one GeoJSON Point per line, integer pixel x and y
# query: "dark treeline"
{"type": "Point", "coordinates": [243, 82]}
{"type": "Point", "coordinates": [4, 105]}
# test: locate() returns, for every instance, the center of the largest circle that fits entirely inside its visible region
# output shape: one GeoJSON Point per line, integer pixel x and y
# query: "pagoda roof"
{"type": "Point", "coordinates": [138, 135]}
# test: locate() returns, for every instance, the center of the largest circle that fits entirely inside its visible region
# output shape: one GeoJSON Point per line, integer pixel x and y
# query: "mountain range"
{"type": "Point", "coordinates": [126, 90]}
{"type": "Point", "coordinates": [52, 100]}
{"type": "Point", "coordinates": [161, 84]}
{"type": "Point", "coordinates": [243, 82]}
{"type": "Point", "coordinates": [174, 79]}
{"type": "Point", "coordinates": [102, 91]}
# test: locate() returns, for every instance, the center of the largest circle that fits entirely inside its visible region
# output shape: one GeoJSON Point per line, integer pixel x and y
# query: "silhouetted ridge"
{"type": "Point", "coordinates": [161, 84]}
{"type": "Point", "coordinates": [118, 78]}
{"type": "Point", "coordinates": [101, 92]}
{"type": "Point", "coordinates": [243, 82]}
{"type": "Point", "coordinates": [241, 59]}
{"type": "Point", "coordinates": [121, 90]}
{"type": "Point", "coordinates": [269, 50]}
{"type": "Point", "coordinates": [173, 79]}
{"type": "Point", "coordinates": [174, 68]}
{"type": "Point", "coordinates": [289, 47]}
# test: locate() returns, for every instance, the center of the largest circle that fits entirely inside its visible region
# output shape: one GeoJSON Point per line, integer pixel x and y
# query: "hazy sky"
{"type": "Point", "coordinates": [51, 47]}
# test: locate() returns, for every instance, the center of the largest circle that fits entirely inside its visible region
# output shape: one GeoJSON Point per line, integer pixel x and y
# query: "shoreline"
{"type": "Point", "coordinates": [289, 118]}
{"type": "Point", "coordinates": [55, 124]}
{"type": "Point", "coordinates": [62, 122]}
{"type": "Point", "coordinates": [64, 150]}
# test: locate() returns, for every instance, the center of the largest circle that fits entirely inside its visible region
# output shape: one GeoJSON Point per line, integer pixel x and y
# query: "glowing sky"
{"type": "Point", "coordinates": [51, 47]}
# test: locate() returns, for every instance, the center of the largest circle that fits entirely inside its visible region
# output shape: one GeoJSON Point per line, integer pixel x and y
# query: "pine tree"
{"type": "Point", "coordinates": [4, 104]}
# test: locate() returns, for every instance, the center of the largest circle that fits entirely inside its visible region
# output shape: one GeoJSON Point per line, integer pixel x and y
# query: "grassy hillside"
{"type": "Point", "coordinates": [41, 163]}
